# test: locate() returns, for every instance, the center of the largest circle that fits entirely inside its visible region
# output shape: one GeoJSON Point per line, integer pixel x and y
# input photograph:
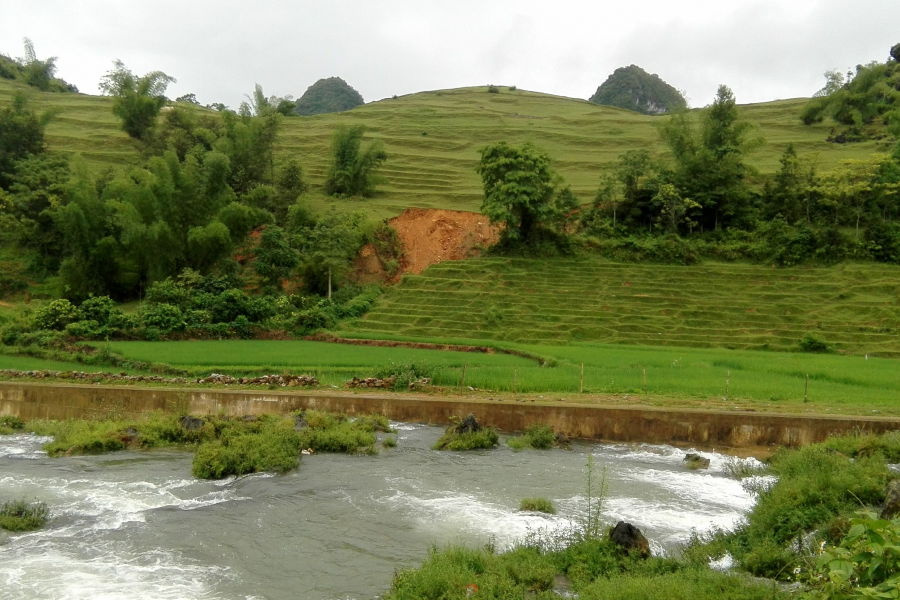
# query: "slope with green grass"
{"type": "Point", "coordinates": [853, 308]}
{"type": "Point", "coordinates": [432, 139]}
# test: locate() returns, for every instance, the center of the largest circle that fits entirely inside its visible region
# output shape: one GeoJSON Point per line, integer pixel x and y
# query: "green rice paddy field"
{"type": "Point", "coordinates": [432, 139]}
{"type": "Point", "coordinates": [763, 379]}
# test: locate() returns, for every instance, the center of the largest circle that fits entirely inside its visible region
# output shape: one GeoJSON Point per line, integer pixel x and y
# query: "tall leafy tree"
{"type": "Point", "coordinates": [328, 247]}
{"type": "Point", "coordinates": [520, 190]}
{"type": "Point", "coordinates": [274, 258]}
{"type": "Point", "coordinates": [138, 100]}
{"type": "Point", "coordinates": [21, 135]}
{"type": "Point", "coordinates": [353, 168]}
{"type": "Point", "coordinates": [709, 159]}
{"type": "Point", "coordinates": [37, 73]}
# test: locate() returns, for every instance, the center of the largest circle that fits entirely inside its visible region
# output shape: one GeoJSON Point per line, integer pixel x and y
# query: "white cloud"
{"type": "Point", "coordinates": [764, 49]}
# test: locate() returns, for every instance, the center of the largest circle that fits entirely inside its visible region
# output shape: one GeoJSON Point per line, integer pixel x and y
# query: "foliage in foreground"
{"type": "Point", "coordinates": [819, 488]}
{"type": "Point", "coordinates": [865, 564]}
{"type": "Point", "coordinates": [595, 568]}
{"type": "Point", "coordinates": [223, 446]}
{"type": "Point", "coordinates": [19, 515]}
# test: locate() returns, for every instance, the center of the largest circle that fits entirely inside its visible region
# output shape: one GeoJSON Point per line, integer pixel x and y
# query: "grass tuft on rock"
{"type": "Point", "coordinates": [19, 515]}
{"type": "Point", "coordinates": [542, 505]}
{"type": "Point", "coordinates": [482, 439]}
{"type": "Point", "coordinates": [537, 436]}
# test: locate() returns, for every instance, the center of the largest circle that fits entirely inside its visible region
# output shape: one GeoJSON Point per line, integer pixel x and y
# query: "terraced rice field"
{"type": "Point", "coordinates": [432, 140]}
{"type": "Point", "coordinates": [855, 308]}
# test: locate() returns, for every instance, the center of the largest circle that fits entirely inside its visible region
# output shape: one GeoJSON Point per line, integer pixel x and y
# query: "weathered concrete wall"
{"type": "Point", "coordinates": [721, 429]}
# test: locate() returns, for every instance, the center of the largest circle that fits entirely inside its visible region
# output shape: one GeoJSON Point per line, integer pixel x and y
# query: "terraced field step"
{"type": "Point", "coordinates": [855, 308]}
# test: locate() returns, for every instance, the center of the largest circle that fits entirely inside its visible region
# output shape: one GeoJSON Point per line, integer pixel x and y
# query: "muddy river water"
{"type": "Point", "coordinates": [137, 525]}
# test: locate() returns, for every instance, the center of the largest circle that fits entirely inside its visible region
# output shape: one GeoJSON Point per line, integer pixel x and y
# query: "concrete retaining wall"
{"type": "Point", "coordinates": [704, 428]}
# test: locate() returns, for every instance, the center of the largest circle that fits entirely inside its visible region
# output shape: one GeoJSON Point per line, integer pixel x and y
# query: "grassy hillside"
{"type": "Point", "coordinates": [432, 139]}
{"type": "Point", "coordinates": [854, 307]}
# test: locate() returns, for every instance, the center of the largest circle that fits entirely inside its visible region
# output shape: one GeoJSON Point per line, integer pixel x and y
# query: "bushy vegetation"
{"type": "Point", "coordinates": [205, 209]}
{"type": "Point", "coordinates": [483, 438]}
{"type": "Point", "coordinates": [19, 515]}
{"type": "Point", "coordinates": [353, 170]}
{"type": "Point", "coordinates": [633, 88]}
{"type": "Point", "coordinates": [864, 564]}
{"type": "Point", "coordinates": [328, 96]}
{"type": "Point", "coordinates": [223, 446]}
{"type": "Point", "coordinates": [10, 424]}
{"type": "Point", "coordinates": [817, 492]}
{"type": "Point", "coordinates": [596, 569]}
{"type": "Point", "coordinates": [36, 73]}
{"type": "Point", "coordinates": [537, 435]}
{"type": "Point", "coordinates": [538, 505]}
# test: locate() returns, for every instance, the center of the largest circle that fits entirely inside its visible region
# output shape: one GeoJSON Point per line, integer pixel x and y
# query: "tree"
{"type": "Point", "coordinates": [138, 100]}
{"type": "Point", "coordinates": [520, 190]}
{"type": "Point", "coordinates": [259, 105]}
{"type": "Point", "coordinates": [353, 169]}
{"type": "Point", "coordinates": [274, 258]}
{"type": "Point", "coordinates": [21, 135]}
{"type": "Point", "coordinates": [328, 247]}
{"type": "Point", "coordinates": [788, 192]}
{"type": "Point", "coordinates": [37, 73]}
{"type": "Point", "coordinates": [673, 209]}
{"type": "Point", "coordinates": [249, 142]}
{"type": "Point", "coordinates": [834, 80]}
{"type": "Point", "coordinates": [709, 166]}
{"type": "Point", "coordinates": [847, 189]}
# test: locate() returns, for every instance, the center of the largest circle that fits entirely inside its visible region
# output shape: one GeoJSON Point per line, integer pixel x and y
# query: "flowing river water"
{"type": "Point", "coordinates": [137, 525]}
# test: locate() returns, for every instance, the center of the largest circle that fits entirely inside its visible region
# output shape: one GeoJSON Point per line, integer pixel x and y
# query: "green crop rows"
{"type": "Point", "coordinates": [432, 140]}
{"type": "Point", "coordinates": [855, 308]}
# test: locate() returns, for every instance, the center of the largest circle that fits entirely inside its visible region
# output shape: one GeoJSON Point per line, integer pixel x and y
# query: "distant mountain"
{"type": "Point", "coordinates": [328, 96]}
{"type": "Point", "coordinates": [635, 89]}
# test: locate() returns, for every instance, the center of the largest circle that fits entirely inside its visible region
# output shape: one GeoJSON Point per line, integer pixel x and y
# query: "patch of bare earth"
{"type": "Point", "coordinates": [430, 236]}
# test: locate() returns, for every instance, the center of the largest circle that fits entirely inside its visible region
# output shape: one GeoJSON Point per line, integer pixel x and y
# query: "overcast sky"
{"type": "Point", "coordinates": [763, 49]}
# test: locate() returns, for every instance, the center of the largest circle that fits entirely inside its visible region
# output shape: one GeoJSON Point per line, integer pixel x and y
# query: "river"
{"type": "Point", "coordinates": [137, 525]}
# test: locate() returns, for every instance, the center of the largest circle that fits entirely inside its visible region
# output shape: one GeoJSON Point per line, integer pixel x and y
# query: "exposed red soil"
{"type": "Point", "coordinates": [433, 235]}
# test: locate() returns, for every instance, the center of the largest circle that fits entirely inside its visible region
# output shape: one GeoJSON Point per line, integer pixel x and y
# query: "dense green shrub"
{"type": "Point", "coordinates": [817, 489]}
{"type": "Point", "coordinates": [163, 317]}
{"type": "Point", "coordinates": [537, 435]}
{"type": "Point", "coordinates": [483, 439]}
{"type": "Point", "coordinates": [19, 515]}
{"type": "Point", "coordinates": [10, 424]}
{"type": "Point", "coordinates": [811, 343]}
{"type": "Point", "coordinates": [56, 315]}
{"type": "Point", "coordinates": [275, 450]}
{"type": "Point", "coordinates": [224, 446]}
{"type": "Point", "coordinates": [538, 505]}
{"type": "Point", "coordinates": [97, 308]}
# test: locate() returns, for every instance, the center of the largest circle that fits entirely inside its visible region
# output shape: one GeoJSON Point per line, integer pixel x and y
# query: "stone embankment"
{"type": "Point", "coordinates": [751, 432]}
